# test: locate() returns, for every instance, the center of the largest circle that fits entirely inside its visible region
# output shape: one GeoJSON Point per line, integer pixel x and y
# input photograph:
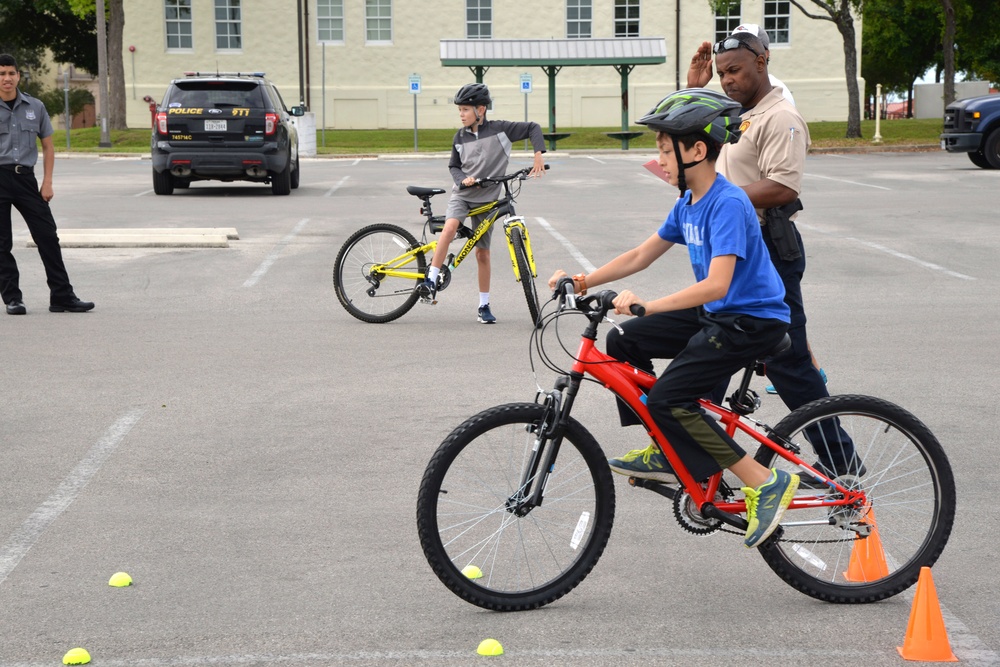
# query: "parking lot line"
{"type": "Point", "coordinates": [25, 537]}
{"type": "Point", "coordinates": [329, 193]}
{"type": "Point", "coordinates": [273, 255]}
{"type": "Point", "coordinates": [576, 254]}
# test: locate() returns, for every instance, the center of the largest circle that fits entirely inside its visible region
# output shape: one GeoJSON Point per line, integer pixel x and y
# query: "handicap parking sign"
{"type": "Point", "coordinates": [525, 83]}
{"type": "Point", "coordinates": [415, 84]}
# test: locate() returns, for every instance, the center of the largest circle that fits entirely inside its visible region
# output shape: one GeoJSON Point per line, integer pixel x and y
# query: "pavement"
{"type": "Point", "coordinates": [222, 430]}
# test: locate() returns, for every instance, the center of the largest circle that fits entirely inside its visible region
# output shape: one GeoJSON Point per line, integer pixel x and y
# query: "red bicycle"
{"type": "Point", "coordinates": [517, 504]}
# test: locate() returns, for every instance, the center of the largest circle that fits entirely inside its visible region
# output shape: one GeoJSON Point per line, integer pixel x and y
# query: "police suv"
{"type": "Point", "coordinates": [224, 127]}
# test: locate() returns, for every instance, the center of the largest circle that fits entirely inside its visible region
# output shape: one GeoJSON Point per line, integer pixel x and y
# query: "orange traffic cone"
{"type": "Point", "coordinates": [926, 637]}
{"type": "Point", "coordinates": [867, 557]}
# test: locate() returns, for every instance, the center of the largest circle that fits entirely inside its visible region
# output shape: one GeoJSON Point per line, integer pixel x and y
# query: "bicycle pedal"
{"type": "Point", "coordinates": [428, 302]}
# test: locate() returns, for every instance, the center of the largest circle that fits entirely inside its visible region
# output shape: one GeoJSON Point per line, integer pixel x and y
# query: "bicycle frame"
{"type": "Point", "coordinates": [631, 384]}
{"type": "Point", "coordinates": [393, 268]}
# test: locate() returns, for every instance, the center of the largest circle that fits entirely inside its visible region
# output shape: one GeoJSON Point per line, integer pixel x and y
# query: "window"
{"type": "Point", "coordinates": [627, 18]}
{"type": "Point", "coordinates": [378, 21]}
{"type": "Point", "coordinates": [478, 19]}
{"type": "Point", "coordinates": [228, 31]}
{"type": "Point", "coordinates": [178, 22]}
{"type": "Point", "coordinates": [726, 21]}
{"type": "Point", "coordinates": [578, 16]}
{"type": "Point", "coordinates": [330, 17]}
{"type": "Point", "coordinates": [777, 17]}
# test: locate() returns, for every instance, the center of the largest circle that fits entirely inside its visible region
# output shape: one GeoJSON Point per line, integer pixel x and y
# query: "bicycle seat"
{"type": "Point", "coordinates": [780, 348]}
{"type": "Point", "coordinates": [418, 191]}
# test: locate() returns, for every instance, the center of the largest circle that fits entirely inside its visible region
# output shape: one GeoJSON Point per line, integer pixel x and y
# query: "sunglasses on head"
{"type": "Point", "coordinates": [730, 43]}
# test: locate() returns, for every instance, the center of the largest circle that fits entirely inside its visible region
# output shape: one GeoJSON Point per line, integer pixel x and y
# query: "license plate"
{"type": "Point", "coordinates": [944, 144]}
{"type": "Point", "coordinates": [215, 126]}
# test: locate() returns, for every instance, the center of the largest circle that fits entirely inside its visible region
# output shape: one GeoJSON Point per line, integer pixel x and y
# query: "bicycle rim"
{"type": "Point", "coordinates": [524, 269]}
{"type": "Point", "coordinates": [369, 298]}
{"type": "Point", "coordinates": [485, 553]}
{"type": "Point", "coordinates": [910, 510]}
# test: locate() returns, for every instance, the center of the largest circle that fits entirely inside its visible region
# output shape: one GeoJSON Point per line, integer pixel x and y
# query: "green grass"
{"type": "Point", "coordinates": [902, 132]}
{"type": "Point", "coordinates": [86, 140]}
{"type": "Point", "coordinates": [373, 142]}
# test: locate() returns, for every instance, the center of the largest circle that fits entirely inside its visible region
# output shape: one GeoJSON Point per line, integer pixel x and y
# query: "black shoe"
{"type": "Point", "coordinates": [70, 305]}
{"type": "Point", "coordinates": [427, 292]}
{"type": "Point", "coordinates": [16, 307]}
{"type": "Point", "coordinates": [853, 469]}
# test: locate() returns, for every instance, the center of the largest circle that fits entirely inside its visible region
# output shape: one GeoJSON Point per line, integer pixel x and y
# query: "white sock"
{"type": "Point", "coordinates": [484, 299]}
{"type": "Point", "coordinates": [432, 274]}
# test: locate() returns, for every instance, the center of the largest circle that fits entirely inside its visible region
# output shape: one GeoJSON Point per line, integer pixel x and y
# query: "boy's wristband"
{"type": "Point", "coordinates": [582, 279]}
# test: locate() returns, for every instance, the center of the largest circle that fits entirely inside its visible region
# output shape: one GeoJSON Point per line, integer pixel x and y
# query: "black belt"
{"type": "Point", "coordinates": [18, 168]}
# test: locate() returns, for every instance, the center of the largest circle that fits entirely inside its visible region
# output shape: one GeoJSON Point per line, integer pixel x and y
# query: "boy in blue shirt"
{"type": "Point", "coordinates": [733, 314]}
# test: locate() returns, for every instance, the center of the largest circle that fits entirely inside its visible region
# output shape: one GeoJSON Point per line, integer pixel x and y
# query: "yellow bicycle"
{"type": "Point", "coordinates": [379, 267]}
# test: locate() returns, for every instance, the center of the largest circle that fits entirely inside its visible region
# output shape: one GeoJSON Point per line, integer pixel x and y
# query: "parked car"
{"type": "Point", "coordinates": [973, 126]}
{"type": "Point", "coordinates": [224, 127]}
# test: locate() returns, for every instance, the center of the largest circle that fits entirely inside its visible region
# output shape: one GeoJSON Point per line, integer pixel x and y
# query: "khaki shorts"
{"type": "Point", "coordinates": [459, 208]}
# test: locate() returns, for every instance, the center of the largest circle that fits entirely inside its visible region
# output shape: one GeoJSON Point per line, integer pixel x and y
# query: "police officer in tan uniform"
{"type": "Point", "coordinates": [768, 162]}
{"type": "Point", "coordinates": [22, 119]}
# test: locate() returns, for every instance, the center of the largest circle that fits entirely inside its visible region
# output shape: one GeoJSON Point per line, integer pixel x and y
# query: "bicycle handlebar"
{"type": "Point", "coordinates": [595, 307]}
{"type": "Point", "coordinates": [520, 174]}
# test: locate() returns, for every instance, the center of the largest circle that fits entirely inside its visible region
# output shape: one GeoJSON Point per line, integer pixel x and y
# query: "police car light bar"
{"type": "Point", "coordinates": [257, 74]}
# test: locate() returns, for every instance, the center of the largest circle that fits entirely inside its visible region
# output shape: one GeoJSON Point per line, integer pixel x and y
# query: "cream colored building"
{"type": "Point", "coordinates": [364, 53]}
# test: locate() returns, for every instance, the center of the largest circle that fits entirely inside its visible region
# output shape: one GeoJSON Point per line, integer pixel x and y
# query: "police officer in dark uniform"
{"type": "Point", "coordinates": [22, 118]}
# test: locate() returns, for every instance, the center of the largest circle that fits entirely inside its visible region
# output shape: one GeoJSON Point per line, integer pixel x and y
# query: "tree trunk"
{"type": "Point", "coordinates": [845, 24]}
{"type": "Point", "coordinates": [948, 47]}
{"type": "Point", "coordinates": [116, 67]}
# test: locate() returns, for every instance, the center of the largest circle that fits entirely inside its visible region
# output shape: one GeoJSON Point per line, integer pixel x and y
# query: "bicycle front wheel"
{"type": "Point", "coordinates": [524, 269]}
{"type": "Point", "coordinates": [473, 538]}
{"type": "Point", "coordinates": [367, 294]}
{"type": "Point", "coordinates": [885, 450]}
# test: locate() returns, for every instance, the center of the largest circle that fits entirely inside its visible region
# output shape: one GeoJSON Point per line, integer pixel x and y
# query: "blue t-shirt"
{"type": "Point", "coordinates": [724, 222]}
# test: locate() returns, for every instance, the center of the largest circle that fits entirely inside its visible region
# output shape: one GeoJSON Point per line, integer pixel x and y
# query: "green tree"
{"type": "Point", "coordinates": [841, 14]}
{"type": "Point", "coordinates": [898, 44]}
{"type": "Point", "coordinates": [978, 38]}
{"type": "Point", "coordinates": [28, 27]}
{"type": "Point", "coordinates": [115, 18]}
{"type": "Point", "coordinates": [55, 101]}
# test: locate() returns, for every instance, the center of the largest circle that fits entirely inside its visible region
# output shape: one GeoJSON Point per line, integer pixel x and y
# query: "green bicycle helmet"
{"type": "Point", "coordinates": [696, 110]}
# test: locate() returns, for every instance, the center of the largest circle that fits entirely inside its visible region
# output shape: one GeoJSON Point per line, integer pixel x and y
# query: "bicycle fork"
{"type": "Point", "coordinates": [548, 439]}
{"type": "Point", "coordinates": [518, 223]}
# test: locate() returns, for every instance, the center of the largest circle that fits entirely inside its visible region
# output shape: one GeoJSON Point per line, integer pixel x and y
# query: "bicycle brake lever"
{"type": "Point", "coordinates": [614, 324]}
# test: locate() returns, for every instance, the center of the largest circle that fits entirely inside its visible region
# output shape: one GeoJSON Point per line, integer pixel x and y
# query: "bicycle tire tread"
{"type": "Point", "coordinates": [904, 577]}
{"type": "Point", "coordinates": [427, 521]}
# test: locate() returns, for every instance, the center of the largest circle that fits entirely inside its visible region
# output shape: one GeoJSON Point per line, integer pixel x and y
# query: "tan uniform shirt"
{"type": "Point", "coordinates": [773, 145]}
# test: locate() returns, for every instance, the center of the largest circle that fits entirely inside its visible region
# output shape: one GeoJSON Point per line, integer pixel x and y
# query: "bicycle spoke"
{"type": "Point", "coordinates": [474, 510]}
{"type": "Point", "coordinates": [899, 465]}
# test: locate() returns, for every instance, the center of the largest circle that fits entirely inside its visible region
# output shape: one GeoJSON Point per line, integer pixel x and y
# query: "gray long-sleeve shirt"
{"type": "Point", "coordinates": [486, 153]}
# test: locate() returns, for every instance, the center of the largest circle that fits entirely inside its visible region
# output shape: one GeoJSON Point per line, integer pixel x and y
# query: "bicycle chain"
{"type": "Point", "coordinates": [790, 540]}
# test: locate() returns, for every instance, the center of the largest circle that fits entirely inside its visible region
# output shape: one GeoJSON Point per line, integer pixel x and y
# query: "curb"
{"type": "Point", "coordinates": [881, 148]}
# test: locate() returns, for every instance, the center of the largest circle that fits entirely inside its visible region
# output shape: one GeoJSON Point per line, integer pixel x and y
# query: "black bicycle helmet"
{"type": "Point", "coordinates": [473, 95]}
{"type": "Point", "coordinates": [696, 110]}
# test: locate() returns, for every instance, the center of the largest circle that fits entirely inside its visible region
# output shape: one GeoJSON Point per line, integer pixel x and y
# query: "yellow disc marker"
{"type": "Point", "coordinates": [489, 647]}
{"type": "Point", "coordinates": [76, 656]}
{"type": "Point", "coordinates": [472, 572]}
{"type": "Point", "coordinates": [120, 580]}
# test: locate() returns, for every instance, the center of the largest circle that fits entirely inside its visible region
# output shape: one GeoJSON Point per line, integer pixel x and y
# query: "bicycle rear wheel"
{"type": "Point", "coordinates": [473, 540]}
{"type": "Point", "coordinates": [366, 295]}
{"type": "Point", "coordinates": [911, 500]}
{"type": "Point", "coordinates": [524, 269]}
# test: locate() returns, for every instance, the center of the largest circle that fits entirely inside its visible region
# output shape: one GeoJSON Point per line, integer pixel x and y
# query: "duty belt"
{"type": "Point", "coordinates": [18, 168]}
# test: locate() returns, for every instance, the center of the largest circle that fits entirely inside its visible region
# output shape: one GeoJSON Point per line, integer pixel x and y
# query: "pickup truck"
{"type": "Point", "coordinates": [973, 126]}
